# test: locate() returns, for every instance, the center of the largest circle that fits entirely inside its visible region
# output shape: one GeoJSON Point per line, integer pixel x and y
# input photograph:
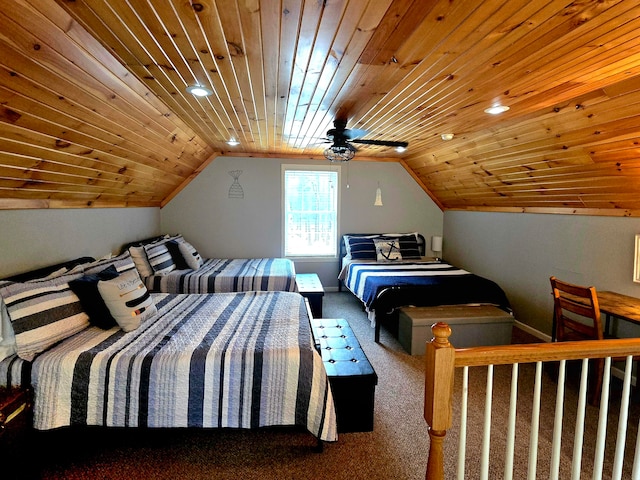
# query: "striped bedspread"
{"type": "Point", "coordinates": [419, 284]}
{"type": "Point", "coordinates": [236, 360]}
{"type": "Point", "coordinates": [228, 275]}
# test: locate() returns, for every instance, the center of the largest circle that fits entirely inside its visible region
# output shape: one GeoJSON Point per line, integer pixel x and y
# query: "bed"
{"type": "Point", "coordinates": [170, 264]}
{"type": "Point", "coordinates": [223, 360]}
{"type": "Point", "coordinates": [395, 273]}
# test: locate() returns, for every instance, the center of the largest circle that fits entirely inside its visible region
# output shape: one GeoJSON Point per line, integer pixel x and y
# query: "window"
{"type": "Point", "coordinates": [310, 196]}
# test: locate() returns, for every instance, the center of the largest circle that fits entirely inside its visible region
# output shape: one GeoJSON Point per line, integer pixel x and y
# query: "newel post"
{"type": "Point", "coordinates": [438, 392]}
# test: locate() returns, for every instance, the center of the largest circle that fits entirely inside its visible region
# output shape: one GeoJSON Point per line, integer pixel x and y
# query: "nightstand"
{"type": "Point", "coordinates": [15, 418]}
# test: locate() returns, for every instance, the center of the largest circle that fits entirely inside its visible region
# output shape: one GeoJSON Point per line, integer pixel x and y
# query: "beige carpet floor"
{"type": "Point", "coordinates": [396, 449]}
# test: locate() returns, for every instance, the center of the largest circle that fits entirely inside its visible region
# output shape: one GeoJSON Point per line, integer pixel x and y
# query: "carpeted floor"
{"type": "Point", "coordinates": [396, 449]}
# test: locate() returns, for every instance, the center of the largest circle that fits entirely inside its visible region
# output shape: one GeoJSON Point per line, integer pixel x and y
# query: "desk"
{"type": "Point", "coordinates": [613, 304]}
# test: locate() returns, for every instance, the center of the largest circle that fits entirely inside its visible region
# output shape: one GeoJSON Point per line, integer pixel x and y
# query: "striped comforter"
{"type": "Point", "coordinates": [237, 360]}
{"type": "Point", "coordinates": [228, 275]}
{"type": "Point", "coordinates": [418, 283]}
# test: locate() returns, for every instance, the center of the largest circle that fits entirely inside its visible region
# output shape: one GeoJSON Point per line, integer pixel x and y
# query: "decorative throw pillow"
{"type": "Point", "coordinates": [362, 248]}
{"type": "Point", "coordinates": [139, 256]}
{"type": "Point", "coordinates": [159, 258]}
{"type": "Point", "coordinates": [190, 254]}
{"type": "Point", "coordinates": [86, 288]}
{"type": "Point", "coordinates": [127, 299]}
{"type": "Point", "coordinates": [43, 313]}
{"type": "Point", "coordinates": [409, 248]}
{"type": "Point", "coordinates": [387, 250]}
{"type": "Point", "coordinates": [7, 337]}
{"type": "Point", "coordinates": [174, 249]}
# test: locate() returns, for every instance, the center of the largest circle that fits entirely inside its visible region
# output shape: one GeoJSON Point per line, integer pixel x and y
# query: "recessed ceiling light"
{"type": "Point", "coordinates": [401, 149]}
{"type": "Point", "coordinates": [496, 109]}
{"type": "Point", "coordinates": [233, 142]}
{"type": "Point", "coordinates": [447, 136]}
{"type": "Point", "coordinates": [199, 91]}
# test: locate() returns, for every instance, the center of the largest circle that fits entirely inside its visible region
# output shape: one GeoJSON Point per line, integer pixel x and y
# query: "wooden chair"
{"type": "Point", "coordinates": [577, 317]}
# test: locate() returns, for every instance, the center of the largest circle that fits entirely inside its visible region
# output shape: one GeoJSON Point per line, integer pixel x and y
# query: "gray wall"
{"type": "Point", "coordinates": [31, 239]}
{"type": "Point", "coordinates": [521, 251]}
{"type": "Point", "coordinates": [219, 226]}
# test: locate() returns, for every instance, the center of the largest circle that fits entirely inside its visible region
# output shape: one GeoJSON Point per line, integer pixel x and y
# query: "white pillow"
{"type": "Point", "coordinates": [7, 337]}
{"type": "Point", "coordinates": [127, 299]}
{"type": "Point", "coordinates": [190, 254]}
{"type": "Point", "coordinates": [387, 250]}
{"type": "Point", "coordinates": [139, 257]}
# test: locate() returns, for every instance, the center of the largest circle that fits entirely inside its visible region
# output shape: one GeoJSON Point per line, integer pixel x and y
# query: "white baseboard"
{"type": "Point", "coordinates": [532, 331]}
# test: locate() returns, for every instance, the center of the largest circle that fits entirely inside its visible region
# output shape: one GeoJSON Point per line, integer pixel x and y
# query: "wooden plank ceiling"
{"type": "Point", "coordinates": [94, 110]}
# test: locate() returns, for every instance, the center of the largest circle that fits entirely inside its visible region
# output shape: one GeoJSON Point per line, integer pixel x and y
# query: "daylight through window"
{"type": "Point", "coordinates": [310, 211]}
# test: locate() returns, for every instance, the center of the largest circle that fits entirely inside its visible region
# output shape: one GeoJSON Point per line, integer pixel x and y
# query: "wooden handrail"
{"type": "Point", "coordinates": [546, 352]}
{"type": "Point", "coordinates": [442, 359]}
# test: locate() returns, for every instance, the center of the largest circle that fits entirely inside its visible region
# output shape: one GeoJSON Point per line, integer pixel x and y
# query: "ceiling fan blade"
{"type": "Point", "coordinates": [352, 133]}
{"type": "Point", "coordinates": [383, 143]}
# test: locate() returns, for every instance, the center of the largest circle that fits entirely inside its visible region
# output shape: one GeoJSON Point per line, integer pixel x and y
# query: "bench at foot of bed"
{"type": "Point", "coordinates": [353, 380]}
{"type": "Point", "coordinates": [471, 326]}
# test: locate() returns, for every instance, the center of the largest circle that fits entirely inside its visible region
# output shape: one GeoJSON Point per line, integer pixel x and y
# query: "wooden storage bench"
{"type": "Point", "coordinates": [352, 378]}
{"type": "Point", "coordinates": [471, 326]}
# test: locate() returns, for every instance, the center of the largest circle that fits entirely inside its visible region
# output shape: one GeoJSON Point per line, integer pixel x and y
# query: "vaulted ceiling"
{"type": "Point", "coordinates": [94, 109]}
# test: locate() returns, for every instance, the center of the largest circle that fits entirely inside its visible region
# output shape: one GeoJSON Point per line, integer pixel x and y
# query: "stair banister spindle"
{"type": "Point", "coordinates": [511, 429]}
{"type": "Point", "coordinates": [462, 441]}
{"type": "Point", "coordinates": [535, 424]}
{"type": "Point", "coordinates": [578, 437]}
{"type": "Point", "coordinates": [618, 459]}
{"type": "Point", "coordinates": [556, 444]}
{"type": "Point", "coordinates": [598, 461]}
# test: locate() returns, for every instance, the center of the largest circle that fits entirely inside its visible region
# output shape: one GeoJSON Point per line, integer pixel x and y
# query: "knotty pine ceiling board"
{"type": "Point", "coordinates": [94, 111]}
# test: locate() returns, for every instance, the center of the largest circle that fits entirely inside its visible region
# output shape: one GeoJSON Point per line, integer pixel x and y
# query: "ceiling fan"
{"type": "Point", "coordinates": [342, 137]}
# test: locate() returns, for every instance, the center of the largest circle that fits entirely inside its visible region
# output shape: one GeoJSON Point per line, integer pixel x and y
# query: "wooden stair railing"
{"type": "Point", "coordinates": [442, 359]}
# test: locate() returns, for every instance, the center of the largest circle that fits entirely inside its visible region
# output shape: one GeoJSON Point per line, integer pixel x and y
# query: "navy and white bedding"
{"type": "Point", "coordinates": [386, 286]}
{"type": "Point", "coordinates": [237, 360]}
{"type": "Point", "coordinates": [435, 283]}
{"type": "Point", "coordinates": [228, 275]}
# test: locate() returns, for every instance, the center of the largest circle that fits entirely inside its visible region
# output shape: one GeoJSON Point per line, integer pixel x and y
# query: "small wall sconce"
{"type": "Point", "coordinates": [378, 202]}
{"type": "Point", "coordinates": [436, 246]}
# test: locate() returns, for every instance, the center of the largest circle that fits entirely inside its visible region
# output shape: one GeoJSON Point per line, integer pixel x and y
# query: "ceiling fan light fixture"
{"type": "Point", "coordinates": [401, 149]}
{"type": "Point", "coordinates": [339, 153]}
{"type": "Point", "coordinates": [496, 109]}
{"type": "Point", "coordinates": [446, 136]}
{"type": "Point", "coordinates": [233, 142]}
{"type": "Point", "coordinates": [199, 91]}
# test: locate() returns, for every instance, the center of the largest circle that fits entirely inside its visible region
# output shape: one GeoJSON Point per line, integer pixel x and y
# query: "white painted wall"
{"type": "Point", "coordinates": [219, 226]}
{"type": "Point", "coordinates": [521, 251]}
{"type": "Point", "coordinates": [31, 239]}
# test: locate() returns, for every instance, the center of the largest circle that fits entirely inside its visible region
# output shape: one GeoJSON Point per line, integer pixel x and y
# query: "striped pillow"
{"type": "Point", "coordinates": [362, 248]}
{"type": "Point", "coordinates": [43, 313]}
{"type": "Point", "coordinates": [159, 258]}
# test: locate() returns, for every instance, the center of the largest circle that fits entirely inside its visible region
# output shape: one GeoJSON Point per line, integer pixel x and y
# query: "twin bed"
{"type": "Point", "coordinates": [390, 271]}
{"type": "Point", "coordinates": [233, 359]}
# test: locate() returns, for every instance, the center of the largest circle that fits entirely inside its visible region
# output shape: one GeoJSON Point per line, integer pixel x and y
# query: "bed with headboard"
{"type": "Point", "coordinates": [170, 264]}
{"type": "Point", "coordinates": [390, 271]}
{"type": "Point", "coordinates": [97, 348]}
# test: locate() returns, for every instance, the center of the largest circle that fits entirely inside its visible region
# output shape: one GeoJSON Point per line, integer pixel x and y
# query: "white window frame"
{"type": "Point", "coordinates": [332, 168]}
